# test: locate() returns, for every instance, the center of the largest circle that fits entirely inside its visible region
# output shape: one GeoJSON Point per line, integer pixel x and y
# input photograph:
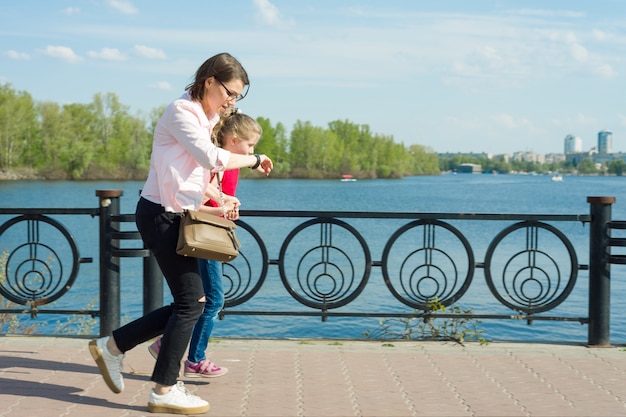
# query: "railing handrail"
{"type": "Point", "coordinates": [584, 218]}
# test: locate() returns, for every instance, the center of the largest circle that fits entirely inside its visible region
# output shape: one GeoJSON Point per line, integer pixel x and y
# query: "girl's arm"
{"type": "Point", "coordinates": [231, 203]}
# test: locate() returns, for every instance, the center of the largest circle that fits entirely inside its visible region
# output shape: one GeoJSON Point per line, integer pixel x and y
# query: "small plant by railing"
{"type": "Point", "coordinates": [427, 326]}
{"type": "Point", "coordinates": [77, 324]}
{"type": "Point", "coordinates": [10, 323]}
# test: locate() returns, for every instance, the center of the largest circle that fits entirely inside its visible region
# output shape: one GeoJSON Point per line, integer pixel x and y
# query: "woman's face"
{"type": "Point", "coordinates": [218, 96]}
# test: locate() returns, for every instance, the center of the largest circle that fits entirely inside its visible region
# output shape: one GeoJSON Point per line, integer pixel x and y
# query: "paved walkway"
{"type": "Point", "coordinates": [52, 377]}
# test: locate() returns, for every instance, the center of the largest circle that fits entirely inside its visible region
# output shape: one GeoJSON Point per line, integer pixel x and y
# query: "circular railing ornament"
{"type": "Point", "coordinates": [243, 276]}
{"type": "Point", "coordinates": [427, 260]}
{"type": "Point", "coordinates": [324, 263]}
{"type": "Point", "coordinates": [42, 264]}
{"type": "Point", "coordinates": [531, 267]}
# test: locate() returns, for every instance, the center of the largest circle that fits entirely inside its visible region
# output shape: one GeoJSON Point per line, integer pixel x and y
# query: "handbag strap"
{"type": "Point", "coordinates": [219, 187]}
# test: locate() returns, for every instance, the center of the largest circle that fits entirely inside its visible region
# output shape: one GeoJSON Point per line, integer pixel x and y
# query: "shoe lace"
{"type": "Point", "coordinates": [181, 388]}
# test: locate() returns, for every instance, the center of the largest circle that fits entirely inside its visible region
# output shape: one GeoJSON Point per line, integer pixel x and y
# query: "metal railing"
{"type": "Point", "coordinates": [325, 263]}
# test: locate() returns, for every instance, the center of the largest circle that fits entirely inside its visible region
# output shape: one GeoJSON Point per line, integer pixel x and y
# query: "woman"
{"type": "Point", "coordinates": [182, 162]}
{"type": "Point", "coordinates": [237, 133]}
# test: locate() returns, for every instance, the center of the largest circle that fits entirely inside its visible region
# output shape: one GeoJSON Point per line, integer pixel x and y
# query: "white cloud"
{"type": "Point", "coordinates": [71, 10]}
{"type": "Point", "coordinates": [479, 60]}
{"type": "Point", "coordinates": [18, 56]}
{"type": "Point", "coordinates": [108, 54]}
{"type": "Point", "coordinates": [147, 52]}
{"type": "Point", "coordinates": [123, 6]}
{"type": "Point", "coordinates": [268, 14]}
{"type": "Point", "coordinates": [468, 124]}
{"type": "Point", "coordinates": [599, 35]}
{"type": "Point", "coordinates": [61, 52]}
{"type": "Point", "coordinates": [549, 13]}
{"type": "Point", "coordinates": [605, 71]}
{"type": "Point", "coordinates": [510, 122]}
{"type": "Point", "coordinates": [576, 123]}
{"type": "Point", "coordinates": [622, 119]}
{"type": "Point", "coordinates": [579, 52]}
{"type": "Point", "coordinates": [581, 119]}
{"type": "Point", "coordinates": [162, 85]}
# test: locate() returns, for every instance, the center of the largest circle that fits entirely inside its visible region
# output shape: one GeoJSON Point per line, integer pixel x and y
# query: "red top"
{"type": "Point", "coordinates": [230, 179]}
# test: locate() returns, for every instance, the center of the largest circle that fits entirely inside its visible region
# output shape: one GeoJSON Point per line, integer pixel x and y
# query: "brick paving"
{"type": "Point", "coordinates": [52, 377]}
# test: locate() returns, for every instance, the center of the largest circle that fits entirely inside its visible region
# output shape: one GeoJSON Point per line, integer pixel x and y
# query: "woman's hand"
{"type": "Point", "coordinates": [266, 165]}
{"type": "Point", "coordinates": [232, 200]}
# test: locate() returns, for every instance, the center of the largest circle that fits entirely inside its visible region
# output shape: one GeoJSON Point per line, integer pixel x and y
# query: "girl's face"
{"type": "Point", "coordinates": [218, 96]}
{"type": "Point", "coordinates": [240, 145]}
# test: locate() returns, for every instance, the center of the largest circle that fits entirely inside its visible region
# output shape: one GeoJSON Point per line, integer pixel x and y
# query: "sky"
{"type": "Point", "coordinates": [453, 76]}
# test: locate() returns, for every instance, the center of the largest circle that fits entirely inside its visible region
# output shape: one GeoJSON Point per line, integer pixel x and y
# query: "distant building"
{"type": "Point", "coordinates": [447, 155]}
{"type": "Point", "coordinates": [525, 156]}
{"type": "Point", "coordinates": [577, 157]}
{"type": "Point", "coordinates": [554, 157]}
{"type": "Point", "coordinates": [469, 169]}
{"type": "Point", "coordinates": [573, 144]}
{"type": "Point", "coordinates": [604, 141]}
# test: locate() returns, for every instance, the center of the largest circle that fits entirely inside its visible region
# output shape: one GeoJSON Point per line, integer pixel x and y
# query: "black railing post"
{"type": "Point", "coordinates": [599, 272]}
{"type": "Point", "coordinates": [152, 284]}
{"type": "Point", "coordinates": [109, 264]}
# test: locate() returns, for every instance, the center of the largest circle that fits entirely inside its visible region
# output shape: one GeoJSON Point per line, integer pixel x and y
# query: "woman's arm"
{"type": "Point", "coordinates": [184, 122]}
{"type": "Point", "coordinates": [261, 163]}
{"type": "Point", "coordinates": [231, 203]}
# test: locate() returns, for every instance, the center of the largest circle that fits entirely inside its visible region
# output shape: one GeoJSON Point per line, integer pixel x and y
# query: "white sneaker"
{"type": "Point", "coordinates": [110, 365]}
{"type": "Point", "coordinates": [178, 401]}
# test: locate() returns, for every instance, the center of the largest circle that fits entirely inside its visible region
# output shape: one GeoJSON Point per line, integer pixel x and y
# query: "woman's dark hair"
{"type": "Point", "coordinates": [224, 67]}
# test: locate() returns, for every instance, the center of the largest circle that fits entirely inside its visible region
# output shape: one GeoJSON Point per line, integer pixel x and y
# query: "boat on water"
{"type": "Point", "coordinates": [557, 177]}
{"type": "Point", "coordinates": [347, 177]}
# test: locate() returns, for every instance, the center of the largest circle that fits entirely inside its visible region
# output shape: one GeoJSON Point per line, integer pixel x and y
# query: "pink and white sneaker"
{"type": "Point", "coordinates": [203, 369]}
{"type": "Point", "coordinates": [155, 348]}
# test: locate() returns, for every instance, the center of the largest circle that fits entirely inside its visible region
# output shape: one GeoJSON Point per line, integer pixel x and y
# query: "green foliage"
{"type": "Point", "coordinates": [587, 166]}
{"type": "Point", "coordinates": [78, 324]}
{"type": "Point", "coordinates": [101, 140]}
{"type": "Point", "coordinates": [10, 323]}
{"type": "Point", "coordinates": [18, 127]}
{"type": "Point", "coordinates": [617, 167]}
{"type": "Point", "coordinates": [427, 326]}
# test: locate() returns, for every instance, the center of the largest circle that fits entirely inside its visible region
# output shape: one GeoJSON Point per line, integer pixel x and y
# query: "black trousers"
{"type": "Point", "coordinates": [159, 231]}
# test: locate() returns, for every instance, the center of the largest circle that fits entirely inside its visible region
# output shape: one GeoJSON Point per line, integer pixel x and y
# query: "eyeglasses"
{"type": "Point", "coordinates": [231, 96]}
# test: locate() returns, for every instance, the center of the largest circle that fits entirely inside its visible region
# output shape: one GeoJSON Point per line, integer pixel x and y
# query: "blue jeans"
{"type": "Point", "coordinates": [211, 273]}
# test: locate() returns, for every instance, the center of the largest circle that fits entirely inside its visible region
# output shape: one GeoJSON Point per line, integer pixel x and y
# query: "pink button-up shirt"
{"type": "Point", "coordinates": [183, 157]}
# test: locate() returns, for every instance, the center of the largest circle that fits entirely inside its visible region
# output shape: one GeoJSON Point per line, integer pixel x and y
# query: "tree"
{"type": "Point", "coordinates": [587, 166]}
{"type": "Point", "coordinates": [18, 127]}
{"type": "Point", "coordinates": [77, 143]}
{"type": "Point", "coordinates": [312, 151]}
{"type": "Point", "coordinates": [617, 167]}
{"type": "Point", "coordinates": [273, 142]}
{"type": "Point", "coordinates": [52, 127]}
{"type": "Point", "coordinates": [424, 161]}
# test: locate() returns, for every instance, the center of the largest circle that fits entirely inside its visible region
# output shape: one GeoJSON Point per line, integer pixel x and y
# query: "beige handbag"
{"type": "Point", "coordinates": [206, 236]}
